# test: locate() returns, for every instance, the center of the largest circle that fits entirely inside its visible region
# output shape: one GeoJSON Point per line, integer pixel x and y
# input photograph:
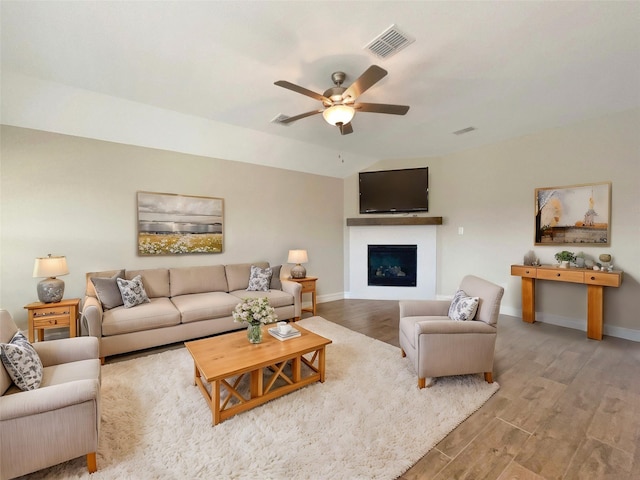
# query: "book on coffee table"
{"type": "Point", "coordinates": [286, 336]}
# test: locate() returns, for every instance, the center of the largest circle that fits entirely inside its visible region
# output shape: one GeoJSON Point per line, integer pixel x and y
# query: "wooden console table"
{"type": "Point", "coordinates": [594, 280]}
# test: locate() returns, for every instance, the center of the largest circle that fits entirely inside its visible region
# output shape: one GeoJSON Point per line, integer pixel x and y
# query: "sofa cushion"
{"type": "Point", "coordinates": [155, 281]}
{"type": "Point", "coordinates": [107, 291]}
{"type": "Point", "coordinates": [277, 298]}
{"type": "Point", "coordinates": [463, 307]}
{"type": "Point", "coordinates": [22, 362]}
{"type": "Point", "coordinates": [276, 283]}
{"type": "Point", "coordinates": [90, 289]}
{"type": "Point", "coordinates": [158, 313]}
{"type": "Point", "coordinates": [238, 274]}
{"type": "Point", "coordinates": [204, 306]}
{"type": "Point", "coordinates": [186, 280]}
{"type": "Point", "coordinates": [133, 292]}
{"type": "Point", "coordinates": [259, 279]}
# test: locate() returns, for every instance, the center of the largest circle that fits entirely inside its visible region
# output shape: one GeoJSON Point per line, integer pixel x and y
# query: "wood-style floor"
{"type": "Point", "coordinates": [568, 407]}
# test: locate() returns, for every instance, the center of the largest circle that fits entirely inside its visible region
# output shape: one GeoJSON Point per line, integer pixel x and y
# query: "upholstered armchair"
{"type": "Point", "coordinates": [439, 346]}
{"type": "Point", "coordinates": [59, 420]}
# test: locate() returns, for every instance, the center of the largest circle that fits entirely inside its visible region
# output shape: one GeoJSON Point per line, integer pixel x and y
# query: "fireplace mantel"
{"type": "Point", "coordinates": [362, 221]}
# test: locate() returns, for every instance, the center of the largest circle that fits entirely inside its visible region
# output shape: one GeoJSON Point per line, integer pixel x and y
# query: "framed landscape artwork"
{"type": "Point", "coordinates": [170, 224]}
{"type": "Point", "coordinates": [573, 215]}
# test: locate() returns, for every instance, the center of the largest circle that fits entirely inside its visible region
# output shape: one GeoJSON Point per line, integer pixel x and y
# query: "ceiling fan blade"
{"type": "Point", "coordinates": [345, 129]}
{"type": "Point", "coordinates": [381, 108]}
{"type": "Point", "coordinates": [302, 115]}
{"type": "Point", "coordinates": [302, 90]}
{"type": "Point", "coordinates": [370, 77]}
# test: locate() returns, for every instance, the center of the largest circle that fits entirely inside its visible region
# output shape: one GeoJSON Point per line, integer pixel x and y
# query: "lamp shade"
{"type": "Point", "coordinates": [50, 267]}
{"type": "Point", "coordinates": [338, 114]}
{"type": "Point", "coordinates": [298, 256]}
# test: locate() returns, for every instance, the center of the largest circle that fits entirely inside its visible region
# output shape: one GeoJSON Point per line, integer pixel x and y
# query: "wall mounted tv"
{"type": "Point", "coordinates": [395, 191]}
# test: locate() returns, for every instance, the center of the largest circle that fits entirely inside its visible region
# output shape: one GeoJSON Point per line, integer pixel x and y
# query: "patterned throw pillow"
{"type": "Point", "coordinates": [259, 279]}
{"type": "Point", "coordinates": [22, 362]}
{"type": "Point", "coordinates": [133, 292]}
{"type": "Point", "coordinates": [463, 307]}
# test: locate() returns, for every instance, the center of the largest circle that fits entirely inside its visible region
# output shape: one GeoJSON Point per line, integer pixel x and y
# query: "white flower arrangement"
{"type": "Point", "coordinates": [254, 311]}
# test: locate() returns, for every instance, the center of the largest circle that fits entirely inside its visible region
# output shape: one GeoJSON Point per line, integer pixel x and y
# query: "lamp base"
{"type": "Point", "coordinates": [298, 271]}
{"type": "Point", "coordinates": [50, 290]}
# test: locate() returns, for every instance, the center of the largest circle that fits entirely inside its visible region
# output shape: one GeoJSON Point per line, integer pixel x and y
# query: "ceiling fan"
{"type": "Point", "coordinates": [339, 103]}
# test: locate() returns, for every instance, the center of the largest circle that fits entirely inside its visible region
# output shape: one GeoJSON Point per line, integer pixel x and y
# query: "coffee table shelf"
{"type": "Point", "coordinates": [222, 363]}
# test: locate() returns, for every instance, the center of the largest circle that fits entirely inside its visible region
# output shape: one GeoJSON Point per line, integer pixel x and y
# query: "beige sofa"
{"type": "Point", "coordinates": [185, 303]}
{"type": "Point", "coordinates": [60, 419]}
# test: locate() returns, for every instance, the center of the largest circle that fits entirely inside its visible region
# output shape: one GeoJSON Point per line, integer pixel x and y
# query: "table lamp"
{"type": "Point", "coordinates": [51, 289]}
{"type": "Point", "coordinates": [298, 257]}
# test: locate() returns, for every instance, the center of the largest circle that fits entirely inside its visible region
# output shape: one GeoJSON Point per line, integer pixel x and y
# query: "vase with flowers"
{"type": "Point", "coordinates": [255, 312]}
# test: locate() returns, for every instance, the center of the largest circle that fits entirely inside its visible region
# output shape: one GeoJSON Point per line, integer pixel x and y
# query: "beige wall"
{"type": "Point", "coordinates": [77, 197]}
{"type": "Point", "coordinates": [489, 191]}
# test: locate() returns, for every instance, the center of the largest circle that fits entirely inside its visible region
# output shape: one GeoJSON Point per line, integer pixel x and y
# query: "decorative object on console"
{"type": "Point", "coordinates": [605, 260]}
{"type": "Point", "coordinates": [564, 258]}
{"type": "Point", "coordinates": [298, 257]}
{"type": "Point", "coordinates": [530, 258]}
{"type": "Point", "coordinates": [51, 289]}
{"type": "Point", "coordinates": [560, 219]}
{"type": "Point", "coordinates": [255, 312]}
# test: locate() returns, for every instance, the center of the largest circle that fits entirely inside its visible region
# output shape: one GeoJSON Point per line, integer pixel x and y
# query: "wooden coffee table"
{"type": "Point", "coordinates": [223, 361]}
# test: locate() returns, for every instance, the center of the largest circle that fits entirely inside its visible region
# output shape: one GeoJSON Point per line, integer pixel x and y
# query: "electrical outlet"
{"type": "Point", "coordinates": [460, 230]}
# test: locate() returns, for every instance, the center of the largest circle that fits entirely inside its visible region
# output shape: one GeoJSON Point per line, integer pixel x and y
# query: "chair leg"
{"type": "Point", "coordinates": [403, 353]}
{"type": "Point", "coordinates": [91, 462]}
{"type": "Point", "coordinates": [421, 383]}
{"type": "Point", "coordinates": [488, 377]}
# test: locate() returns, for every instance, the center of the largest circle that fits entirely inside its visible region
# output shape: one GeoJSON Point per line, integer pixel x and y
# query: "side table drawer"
{"type": "Point", "coordinates": [602, 278]}
{"type": "Point", "coordinates": [52, 317]}
{"type": "Point", "coordinates": [307, 286]}
{"type": "Point", "coordinates": [522, 271]}
{"type": "Point", "coordinates": [560, 275]}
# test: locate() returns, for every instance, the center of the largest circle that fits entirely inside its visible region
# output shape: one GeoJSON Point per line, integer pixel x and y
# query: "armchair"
{"type": "Point", "coordinates": [439, 346]}
{"type": "Point", "coordinates": [58, 421]}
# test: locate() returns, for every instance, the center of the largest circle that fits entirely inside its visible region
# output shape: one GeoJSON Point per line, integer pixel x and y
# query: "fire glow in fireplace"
{"type": "Point", "coordinates": [392, 265]}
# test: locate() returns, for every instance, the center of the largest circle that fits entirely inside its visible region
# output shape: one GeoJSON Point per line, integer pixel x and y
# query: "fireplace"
{"type": "Point", "coordinates": [392, 265]}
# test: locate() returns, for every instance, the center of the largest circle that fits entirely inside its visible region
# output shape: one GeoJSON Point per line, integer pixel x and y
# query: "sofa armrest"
{"type": "Point", "coordinates": [424, 308]}
{"type": "Point", "coordinates": [92, 316]}
{"type": "Point", "coordinates": [66, 350]}
{"type": "Point", "coordinates": [32, 402]}
{"type": "Point", "coordinates": [295, 289]}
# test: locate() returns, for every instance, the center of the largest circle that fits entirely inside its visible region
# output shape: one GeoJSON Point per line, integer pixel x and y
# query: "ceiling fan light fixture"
{"type": "Point", "coordinates": [339, 114]}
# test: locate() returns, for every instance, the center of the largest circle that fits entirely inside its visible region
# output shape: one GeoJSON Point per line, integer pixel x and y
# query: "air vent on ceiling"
{"type": "Point", "coordinates": [279, 118]}
{"type": "Point", "coordinates": [389, 42]}
{"type": "Point", "coordinates": [464, 130]}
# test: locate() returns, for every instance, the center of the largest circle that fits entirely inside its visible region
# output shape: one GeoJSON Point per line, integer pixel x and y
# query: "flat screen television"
{"type": "Point", "coordinates": [395, 191]}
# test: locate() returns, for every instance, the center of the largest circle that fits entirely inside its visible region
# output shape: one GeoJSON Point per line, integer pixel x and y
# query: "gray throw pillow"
{"type": "Point", "coordinates": [22, 362]}
{"type": "Point", "coordinates": [133, 292]}
{"type": "Point", "coordinates": [107, 291]}
{"type": "Point", "coordinates": [259, 279]}
{"type": "Point", "coordinates": [275, 283]}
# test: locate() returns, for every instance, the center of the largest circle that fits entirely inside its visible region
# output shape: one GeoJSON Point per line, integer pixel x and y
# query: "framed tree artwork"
{"type": "Point", "coordinates": [573, 215]}
{"type": "Point", "coordinates": [171, 224]}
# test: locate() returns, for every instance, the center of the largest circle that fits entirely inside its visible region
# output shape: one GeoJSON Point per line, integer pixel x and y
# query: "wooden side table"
{"type": "Point", "coordinates": [308, 286]}
{"type": "Point", "coordinates": [53, 315]}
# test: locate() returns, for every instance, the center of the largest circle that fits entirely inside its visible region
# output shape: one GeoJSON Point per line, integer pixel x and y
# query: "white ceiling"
{"type": "Point", "coordinates": [506, 68]}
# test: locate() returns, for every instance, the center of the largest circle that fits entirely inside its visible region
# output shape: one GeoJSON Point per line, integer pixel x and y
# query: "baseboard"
{"type": "Point", "coordinates": [576, 324]}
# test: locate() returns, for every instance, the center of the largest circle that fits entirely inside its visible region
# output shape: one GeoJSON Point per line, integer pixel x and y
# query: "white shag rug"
{"type": "Point", "coordinates": [368, 420]}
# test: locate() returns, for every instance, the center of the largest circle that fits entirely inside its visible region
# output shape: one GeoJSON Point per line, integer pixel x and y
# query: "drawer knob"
{"type": "Point", "coordinates": [593, 278]}
{"type": "Point", "coordinates": [557, 274]}
{"type": "Point", "coordinates": [527, 272]}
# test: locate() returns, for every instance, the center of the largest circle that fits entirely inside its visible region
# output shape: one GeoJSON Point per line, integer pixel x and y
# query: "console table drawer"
{"type": "Point", "coordinates": [560, 276]}
{"type": "Point", "coordinates": [520, 271]}
{"type": "Point", "coordinates": [602, 278]}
